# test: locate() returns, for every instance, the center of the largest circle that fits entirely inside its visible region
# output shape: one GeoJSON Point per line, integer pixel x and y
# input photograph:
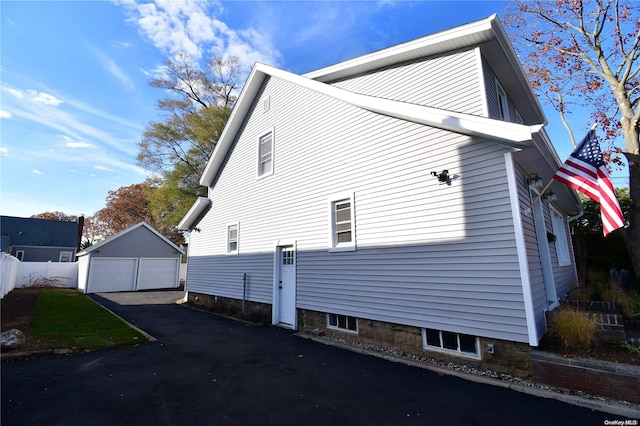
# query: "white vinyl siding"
{"type": "Point", "coordinates": [449, 82]}
{"type": "Point", "coordinates": [429, 255]}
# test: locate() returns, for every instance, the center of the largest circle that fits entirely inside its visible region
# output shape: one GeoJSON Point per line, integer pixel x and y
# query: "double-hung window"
{"type": "Point", "coordinates": [503, 104]}
{"type": "Point", "coordinates": [559, 230]}
{"type": "Point", "coordinates": [265, 154]}
{"type": "Point", "coordinates": [66, 256]}
{"type": "Point", "coordinates": [342, 223]}
{"type": "Point", "coordinates": [232, 238]}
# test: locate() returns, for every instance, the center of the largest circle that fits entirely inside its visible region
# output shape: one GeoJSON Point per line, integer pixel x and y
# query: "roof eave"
{"type": "Point", "coordinates": [193, 216]}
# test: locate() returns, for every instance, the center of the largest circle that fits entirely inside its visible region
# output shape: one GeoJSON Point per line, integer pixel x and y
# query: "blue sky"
{"type": "Point", "coordinates": [75, 99]}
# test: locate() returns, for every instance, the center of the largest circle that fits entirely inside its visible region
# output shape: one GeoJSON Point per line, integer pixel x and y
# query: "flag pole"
{"type": "Point", "coordinates": [551, 181]}
{"type": "Point", "coordinates": [541, 193]}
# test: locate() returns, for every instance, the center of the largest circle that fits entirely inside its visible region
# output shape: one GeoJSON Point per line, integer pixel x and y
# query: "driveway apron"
{"type": "Point", "coordinates": [205, 369]}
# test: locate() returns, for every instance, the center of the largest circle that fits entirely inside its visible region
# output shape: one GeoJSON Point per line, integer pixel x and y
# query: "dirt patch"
{"type": "Point", "coordinates": [604, 352]}
{"type": "Point", "coordinates": [16, 311]}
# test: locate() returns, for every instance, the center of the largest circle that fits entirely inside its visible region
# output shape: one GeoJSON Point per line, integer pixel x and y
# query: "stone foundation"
{"type": "Point", "coordinates": [508, 357]}
{"type": "Point", "coordinates": [254, 311]}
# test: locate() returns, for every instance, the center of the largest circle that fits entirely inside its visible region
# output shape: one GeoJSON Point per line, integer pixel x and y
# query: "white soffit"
{"type": "Point", "coordinates": [189, 219]}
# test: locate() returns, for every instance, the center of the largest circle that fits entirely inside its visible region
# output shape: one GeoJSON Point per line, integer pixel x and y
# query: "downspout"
{"type": "Point", "coordinates": [244, 291]}
{"type": "Point", "coordinates": [576, 216]}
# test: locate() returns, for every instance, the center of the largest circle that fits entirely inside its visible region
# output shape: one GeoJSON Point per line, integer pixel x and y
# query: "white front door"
{"type": "Point", "coordinates": [286, 286]}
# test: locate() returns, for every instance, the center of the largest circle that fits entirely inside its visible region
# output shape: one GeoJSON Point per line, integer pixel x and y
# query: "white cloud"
{"type": "Point", "coordinates": [44, 98]}
{"type": "Point", "coordinates": [112, 67]}
{"type": "Point", "coordinates": [36, 172]}
{"type": "Point", "coordinates": [16, 93]}
{"type": "Point", "coordinates": [33, 95]}
{"type": "Point", "coordinates": [4, 150]}
{"type": "Point", "coordinates": [106, 169]}
{"type": "Point", "coordinates": [4, 114]}
{"type": "Point", "coordinates": [70, 143]}
{"type": "Point", "coordinates": [195, 27]}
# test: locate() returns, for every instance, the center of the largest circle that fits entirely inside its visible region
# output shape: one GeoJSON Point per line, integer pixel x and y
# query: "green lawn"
{"type": "Point", "coordinates": [67, 319]}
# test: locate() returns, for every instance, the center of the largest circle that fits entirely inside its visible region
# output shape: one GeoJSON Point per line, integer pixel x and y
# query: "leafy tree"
{"type": "Point", "coordinates": [586, 54]}
{"type": "Point", "coordinates": [592, 250]}
{"type": "Point", "coordinates": [195, 113]}
{"type": "Point", "coordinates": [60, 216]}
{"type": "Point", "coordinates": [128, 206]}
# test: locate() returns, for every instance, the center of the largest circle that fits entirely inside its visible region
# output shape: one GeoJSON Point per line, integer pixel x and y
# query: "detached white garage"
{"type": "Point", "coordinates": [138, 258]}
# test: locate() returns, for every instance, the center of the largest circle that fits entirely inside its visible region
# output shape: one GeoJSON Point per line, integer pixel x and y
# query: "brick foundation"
{"type": "Point", "coordinates": [619, 381]}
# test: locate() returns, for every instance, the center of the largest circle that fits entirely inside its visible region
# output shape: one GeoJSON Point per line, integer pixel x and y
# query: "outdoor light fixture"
{"type": "Point", "coordinates": [550, 196]}
{"type": "Point", "coordinates": [443, 177]}
{"type": "Point", "coordinates": [535, 181]}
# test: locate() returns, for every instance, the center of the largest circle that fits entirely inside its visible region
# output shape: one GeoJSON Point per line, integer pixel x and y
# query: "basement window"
{"type": "Point", "coordinates": [447, 341]}
{"type": "Point", "coordinates": [342, 322]}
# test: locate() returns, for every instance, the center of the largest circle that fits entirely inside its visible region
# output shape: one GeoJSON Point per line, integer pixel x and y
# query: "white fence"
{"type": "Point", "coordinates": [8, 273]}
{"type": "Point", "coordinates": [54, 274]}
{"type": "Point", "coordinates": [28, 274]}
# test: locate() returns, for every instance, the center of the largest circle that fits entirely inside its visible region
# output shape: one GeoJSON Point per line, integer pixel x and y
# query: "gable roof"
{"type": "Point", "coordinates": [126, 231]}
{"type": "Point", "coordinates": [488, 33]}
{"type": "Point", "coordinates": [22, 231]}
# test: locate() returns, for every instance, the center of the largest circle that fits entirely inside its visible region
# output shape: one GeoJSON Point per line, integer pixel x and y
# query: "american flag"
{"type": "Point", "coordinates": [586, 172]}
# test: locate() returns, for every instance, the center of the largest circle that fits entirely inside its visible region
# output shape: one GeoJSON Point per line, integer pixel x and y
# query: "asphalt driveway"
{"type": "Point", "coordinates": [207, 370]}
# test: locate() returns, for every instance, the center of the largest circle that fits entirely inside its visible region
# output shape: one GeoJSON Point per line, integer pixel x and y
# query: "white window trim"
{"type": "Point", "coordinates": [557, 219]}
{"type": "Point", "coordinates": [450, 351]}
{"type": "Point", "coordinates": [502, 101]}
{"type": "Point", "coordinates": [333, 245]}
{"type": "Point", "coordinates": [229, 225]}
{"type": "Point", "coordinates": [345, 330]}
{"type": "Point", "coordinates": [70, 256]}
{"type": "Point", "coordinates": [273, 151]}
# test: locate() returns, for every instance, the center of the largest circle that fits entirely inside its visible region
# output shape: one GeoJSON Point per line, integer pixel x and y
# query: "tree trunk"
{"type": "Point", "coordinates": [632, 233]}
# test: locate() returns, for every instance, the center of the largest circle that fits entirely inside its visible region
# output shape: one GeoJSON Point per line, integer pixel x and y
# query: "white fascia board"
{"type": "Point", "coordinates": [458, 37]}
{"type": "Point", "coordinates": [189, 220]}
{"type": "Point", "coordinates": [234, 122]}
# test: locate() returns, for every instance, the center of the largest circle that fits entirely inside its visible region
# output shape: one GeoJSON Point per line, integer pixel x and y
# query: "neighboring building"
{"type": "Point", "coordinates": [39, 240]}
{"type": "Point", "coordinates": [386, 199]}
{"type": "Point", "coordinates": [137, 258]}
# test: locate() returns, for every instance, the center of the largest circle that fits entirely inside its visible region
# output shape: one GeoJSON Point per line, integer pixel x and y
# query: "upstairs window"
{"type": "Point", "coordinates": [503, 104]}
{"type": "Point", "coordinates": [232, 239]}
{"type": "Point", "coordinates": [265, 154]}
{"type": "Point", "coordinates": [66, 256]}
{"type": "Point", "coordinates": [342, 224]}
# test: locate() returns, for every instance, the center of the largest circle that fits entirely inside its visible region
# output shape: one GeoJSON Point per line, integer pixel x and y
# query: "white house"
{"type": "Point", "coordinates": [388, 198]}
{"type": "Point", "coordinates": [137, 258]}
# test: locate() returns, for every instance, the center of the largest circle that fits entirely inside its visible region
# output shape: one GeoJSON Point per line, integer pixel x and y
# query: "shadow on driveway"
{"type": "Point", "coordinates": [208, 370]}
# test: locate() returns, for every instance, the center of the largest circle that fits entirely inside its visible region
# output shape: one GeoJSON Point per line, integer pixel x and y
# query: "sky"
{"type": "Point", "coordinates": [74, 76]}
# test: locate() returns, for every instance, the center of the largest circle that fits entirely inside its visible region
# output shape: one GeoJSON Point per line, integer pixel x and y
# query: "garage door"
{"type": "Point", "coordinates": [158, 273]}
{"type": "Point", "coordinates": [106, 275]}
